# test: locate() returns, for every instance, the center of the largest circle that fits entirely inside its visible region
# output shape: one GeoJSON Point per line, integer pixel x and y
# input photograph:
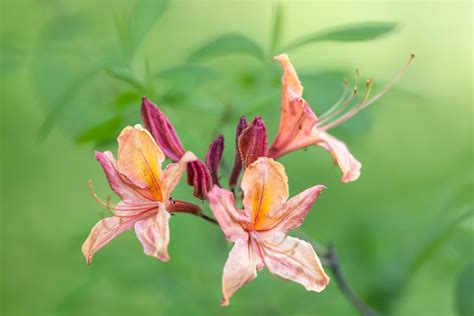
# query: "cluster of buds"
{"type": "Point", "coordinates": [260, 229]}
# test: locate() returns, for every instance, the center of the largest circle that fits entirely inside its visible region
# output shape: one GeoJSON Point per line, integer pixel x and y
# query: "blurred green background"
{"type": "Point", "coordinates": [73, 72]}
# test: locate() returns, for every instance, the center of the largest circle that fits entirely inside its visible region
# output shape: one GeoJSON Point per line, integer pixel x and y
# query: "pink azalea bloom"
{"type": "Point", "coordinates": [259, 231]}
{"type": "Point", "coordinates": [300, 127]}
{"type": "Point", "coordinates": [136, 177]}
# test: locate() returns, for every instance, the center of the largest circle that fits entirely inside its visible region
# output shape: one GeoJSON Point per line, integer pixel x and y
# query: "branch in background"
{"type": "Point", "coordinates": [332, 262]}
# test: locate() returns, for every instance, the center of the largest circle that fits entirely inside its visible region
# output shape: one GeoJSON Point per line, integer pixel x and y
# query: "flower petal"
{"type": "Point", "coordinates": [349, 166]}
{"type": "Point", "coordinates": [295, 260]}
{"type": "Point", "coordinates": [297, 119]}
{"type": "Point", "coordinates": [103, 232]}
{"type": "Point", "coordinates": [229, 218]}
{"type": "Point", "coordinates": [296, 126]}
{"type": "Point", "coordinates": [240, 268]}
{"type": "Point", "coordinates": [289, 80]}
{"type": "Point", "coordinates": [154, 234]}
{"type": "Point", "coordinates": [116, 182]}
{"type": "Point", "coordinates": [139, 159]}
{"type": "Point", "coordinates": [293, 213]}
{"type": "Point", "coordinates": [173, 172]}
{"type": "Point", "coordinates": [265, 187]}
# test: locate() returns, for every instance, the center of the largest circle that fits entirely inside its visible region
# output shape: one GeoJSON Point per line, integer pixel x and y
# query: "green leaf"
{"type": "Point", "coordinates": [66, 97]}
{"type": "Point", "coordinates": [227, 44]}
{"type": "Point", "coordinates": [465, 291]}
{"type": "Point", "coordinates": [13, 55]}
{"type": "Point", "coordinates": [348, 33]}
{"type": "Point", "coordinates": [437, 240]}
{"type": "Point", "coordinates": [126, 99]}
{"type": "Point", "coordinates": [187, 74]}
{"type": "Point", "coordinates": [101, 132]}
{"type": "Point", "coordinates": [124, 74]}
{"type": "Point", "coordinates": [140, 22]}
{"type": "Point", "coordinates": [277, 26]}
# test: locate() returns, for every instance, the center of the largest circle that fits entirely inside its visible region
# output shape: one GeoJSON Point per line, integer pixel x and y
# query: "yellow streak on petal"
{"type": "Point", "coordinates": [139, 160]}
{"type": "Point", "coordinates": [265, 187]}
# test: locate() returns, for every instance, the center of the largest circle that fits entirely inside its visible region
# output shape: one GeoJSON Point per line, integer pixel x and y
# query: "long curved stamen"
{"type": "Point", "coordinates": [338, 102]}
{"type": "Point", "coordinates": [125, 206]}
{"type": "Point", "coordinates": [346, 103]}
{"type": "Point", "coordinates": [103, 203]}
{"type": "Point", "coordinates": [354, 110]}
{"type": "Point", "coordinates": [365, 103]}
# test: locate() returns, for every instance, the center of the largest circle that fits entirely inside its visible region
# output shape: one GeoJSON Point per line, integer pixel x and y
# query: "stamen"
{"type": "Point", "coordinates": [346, 103]}
{"type": "Point", "coordinates": [125, 206]}
{"type": "Point", "coordinates": [327, 117]}
{"type": "Point", "coordinates": [365, 101]}
{"type": "Point", "coordinates": [96, 197]}
{"type": "Point", "coordinates": [338, 102]}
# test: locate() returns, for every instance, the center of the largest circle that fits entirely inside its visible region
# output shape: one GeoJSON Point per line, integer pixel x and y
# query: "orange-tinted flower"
{"type": "Point", "coordinates": [144, 188]}
{"type": "Point", "coordinates": [300, 127]}
{"type": "Point", "coordinates": [259, 231]}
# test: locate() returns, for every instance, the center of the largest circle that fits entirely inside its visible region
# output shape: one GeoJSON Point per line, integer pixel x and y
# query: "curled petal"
{"type": "Point", "coordinates": [103, 232]}
{"type": "Point", "coordinates": [265, 187]}
{"type": "Point", "coordinates": [234, 177]}
{"type": "Point", "coordinates": [294, 211]}
{"type": "Point", "coordinates": [296, 125]}
{"type": "Point", "coordinates": [239, 269]}
{"type": "Point", "coordinates": [349, 166]}
{"type": "Point", "coordinates": [289, 80]}
{"type": "Point", "coordinates": [173, 172]}
{"type": "Point", "coordinates": [214, 157]}
{"type": "Point", "coordinates": [116, 182]}
{"type": "Point", "coordinates": [229, 218]}
{"type": "Point", "coordinates": [154, 234]}
{"type": "Point", "coordinates": [295, 260]}
{"type": "Point", "coordinates": [200, 178]}
{"type": "Point", "coordinates": [253, 142]}
{"type": "Point", "coordinates": [140, 159]}
{"type": "Point", "coordinates": [161, 130]}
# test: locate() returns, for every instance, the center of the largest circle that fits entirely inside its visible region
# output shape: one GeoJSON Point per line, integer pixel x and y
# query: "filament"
{"type": "Point", "coordinates": [124, 206]}
{"type": "Point", "coordinates": [338, 102]}
{"type": "Point", "coordinates": [328, 116]}
{"type": "Point", "coordinates": [365, 100]}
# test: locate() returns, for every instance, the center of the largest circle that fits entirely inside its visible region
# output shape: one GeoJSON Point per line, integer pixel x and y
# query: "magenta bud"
{"type": "Point", "coordinates": [199, 177]}
{"type": "Point", "coordinates": [234, 176]}
{"type": "Point", "coordinates": [162, 131]}
{"type": "Point", "coordinates": [214, 157]}
{"type": "Point", "coordinates": [253, 142]}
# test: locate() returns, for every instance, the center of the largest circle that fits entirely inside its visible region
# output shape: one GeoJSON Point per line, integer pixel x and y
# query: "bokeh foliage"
{"type": "Point", "coordinates": [73, 77]}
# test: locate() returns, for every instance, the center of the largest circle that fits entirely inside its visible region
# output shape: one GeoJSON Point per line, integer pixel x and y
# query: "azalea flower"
{"type": "Point", "coordinates": [300, 127]}
{"type": "Point", "coordinates": [136, 177]}
{"type": "Point", "coordinates": [259, 231]}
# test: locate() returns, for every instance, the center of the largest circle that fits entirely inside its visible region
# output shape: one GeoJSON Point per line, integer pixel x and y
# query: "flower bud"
{"type": "Point", "coordinates": [253, 142]}
{"type": "Point", "coordinates": [214, 157]}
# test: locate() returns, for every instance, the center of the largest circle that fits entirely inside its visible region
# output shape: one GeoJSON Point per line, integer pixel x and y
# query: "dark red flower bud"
{"type": "Point", "coordinates": [199, 177]}
{"type": "Point", "coordinates": [234, 177]}
{"type": "Point", "coordinates": [162, 131]}
{"type": "Point", "coordinates": [214, 157]}
{"type": "Point", "coordinates": [253, 142]}
{"type": "Point", "coordinates": [177, 206]}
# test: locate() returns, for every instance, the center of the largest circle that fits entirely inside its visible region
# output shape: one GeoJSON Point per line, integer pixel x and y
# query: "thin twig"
{"type": "Point", "coordinates": [332, 262]}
